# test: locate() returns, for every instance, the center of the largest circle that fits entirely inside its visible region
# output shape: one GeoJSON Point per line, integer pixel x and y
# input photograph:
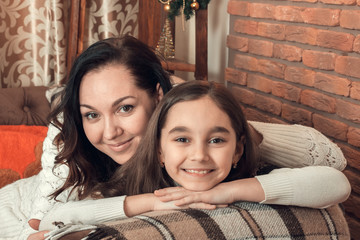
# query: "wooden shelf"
{"type": "Point", "coordinates": [177, 65]}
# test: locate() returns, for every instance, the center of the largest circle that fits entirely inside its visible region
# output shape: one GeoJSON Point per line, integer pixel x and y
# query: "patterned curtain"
{"type": "Point", "coordinates": [33, 36]}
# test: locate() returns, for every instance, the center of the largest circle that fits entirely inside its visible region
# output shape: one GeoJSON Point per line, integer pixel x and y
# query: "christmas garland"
{"type": "Point", "coordinates": [177, 5]}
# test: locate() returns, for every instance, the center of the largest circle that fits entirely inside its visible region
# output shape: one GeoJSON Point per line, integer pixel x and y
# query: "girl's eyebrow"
{"type": "Point", "coordinates": [219, 129]}
{"type": "Point", "coordinates": [117, 102]}
{"type": "Point", "coordinates": [216, 129]}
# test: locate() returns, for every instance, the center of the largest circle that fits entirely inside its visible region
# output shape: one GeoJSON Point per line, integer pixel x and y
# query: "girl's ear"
{"type": "Point", "coordinates": [239, 150]}
{"type": "Point", "coordinates": [161, 159]}
{"type": "Point", "coordinates": [160, 93]}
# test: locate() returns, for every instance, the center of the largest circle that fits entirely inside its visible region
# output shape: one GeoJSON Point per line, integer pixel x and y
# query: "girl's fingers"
{"type": "Point", "coordinates": [37, 236]}
{"type": "Point", "coordinates": [166, 191]}
{"type": "Point", "coordinates": [202, 206]}
{"type": "Point", "coordinates": [34, 223]}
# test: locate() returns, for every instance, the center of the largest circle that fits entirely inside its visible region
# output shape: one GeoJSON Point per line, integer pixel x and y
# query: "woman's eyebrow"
{"type": "Point", "coordinates": [117, 102]}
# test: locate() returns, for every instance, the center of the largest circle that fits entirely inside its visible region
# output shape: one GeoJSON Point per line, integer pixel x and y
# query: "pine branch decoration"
{"type": "Point", "coordinates": [176, 8]}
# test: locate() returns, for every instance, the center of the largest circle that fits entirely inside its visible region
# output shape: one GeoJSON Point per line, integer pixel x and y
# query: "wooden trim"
{"type": "Point", "coordinates": [80, 47]}
{"type": "Point", "coordinates": [73, 36]}
{"type": "Point", "coordinates": [149, 20]}
{"type": "Point", "coordinates": [201, 57]}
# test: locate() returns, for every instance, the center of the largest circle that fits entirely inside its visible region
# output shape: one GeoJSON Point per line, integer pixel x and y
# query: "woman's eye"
{"type": "Point", "coordinates": [184, 140]}
{"type": "Point", "coordinates": [216, 140]}
{"type": "Point", "coordinates": [126, 108]}
{"type": "Point", "coordinates": [91, 115]}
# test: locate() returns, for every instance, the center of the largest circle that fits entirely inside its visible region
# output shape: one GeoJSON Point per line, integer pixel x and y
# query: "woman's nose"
{"type": "Point", "coordinates": [112, 129]}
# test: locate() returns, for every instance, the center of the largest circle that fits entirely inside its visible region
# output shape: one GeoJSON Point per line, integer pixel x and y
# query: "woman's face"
{"type": "Point", "coordinates": [198, 144]}
{"type": "Point", "coordinates": [115, 112]}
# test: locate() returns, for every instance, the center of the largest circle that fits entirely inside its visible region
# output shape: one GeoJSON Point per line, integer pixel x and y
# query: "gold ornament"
{"type": "Point", "coordinates": [194, 5]}
{"type": "Point", "coordinates": [167, 7]}
{"type": "Point", "coordinates": [165, 45]}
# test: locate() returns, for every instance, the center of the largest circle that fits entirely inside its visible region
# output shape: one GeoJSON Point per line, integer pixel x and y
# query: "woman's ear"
{"type": "Point", "coordinates": [160, 93]}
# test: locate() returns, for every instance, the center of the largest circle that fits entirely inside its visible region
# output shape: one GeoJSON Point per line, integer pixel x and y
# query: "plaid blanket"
{"type": "Point", "coordinates": [242, 220]}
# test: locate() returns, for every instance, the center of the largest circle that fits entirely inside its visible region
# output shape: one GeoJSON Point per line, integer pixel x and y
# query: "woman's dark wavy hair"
{"type": "Point", "coordinates": [87, 165]}
{"type": "Point", "coordinates": [143, 173]}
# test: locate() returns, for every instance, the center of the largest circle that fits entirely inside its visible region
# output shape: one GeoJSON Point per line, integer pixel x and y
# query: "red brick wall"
{"type": "Point", "coordinates": [298, 61]}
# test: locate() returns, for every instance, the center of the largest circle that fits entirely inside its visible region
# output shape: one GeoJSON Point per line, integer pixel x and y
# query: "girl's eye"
{"type": "Point", "coordinates": [216, 140]}
{"type": "Point", "coordinates": [126, 108]}
{"type": "Point", "coordinates": [181, 139]}
{"type": "Point", "coordinates": [91, 115]}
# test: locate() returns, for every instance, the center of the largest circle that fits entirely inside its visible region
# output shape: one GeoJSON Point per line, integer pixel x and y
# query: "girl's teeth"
{"type": "Point", "coordinates": [197, 171]}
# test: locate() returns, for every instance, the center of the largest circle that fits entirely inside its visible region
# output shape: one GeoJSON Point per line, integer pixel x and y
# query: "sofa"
{"type": "Point", "coordinates": [23, 115]}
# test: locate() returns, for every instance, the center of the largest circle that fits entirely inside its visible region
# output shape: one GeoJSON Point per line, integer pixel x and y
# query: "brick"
{"type": "Point", "coordinates": [271, 68]}
{"type": "Point", "coordinates": [352, 204]}
{"type": "Point", "coordinates": [271, 30]}
{"type": "Point", "coordinates": [253, 114]}
{"type": "Point", "coordinates": [235, 76]}
{"type": "Point", "coordinates": [261, 47]}
{"type": "Point", "coordinates": [348, 110]}
{"type": "Point", "coordinates": [268, 104]}
{"type": "Point", "coordinates": [299, 34]}
{"type": "Point", "coordinates": [300, 75]}
{"type": "Point", "coordinates": [354, 179]}
{"type": "Point", "coordinates": [247, 27]}
{"type": "Point", "coordinates": [318, 101]}
{"type": "Point", "coordinates": [238, 43]}
{"type": "Point", "coordinates": [330, 127]}
{"type": "Point", "coordinates": [261, 10]}
{"type": "Point", "coordinates": [335, 40]}
{"type": "Point", "coordinates": [354, 136]}
{"type": "Point", "coordinates": [238, 8]}
{"type": "Point", "coordinates": [348, 66]}
{"type": "Point", "coordinates": [352, 155]}
{"type": "Point", "coordinates": [355, 90]}
{"type": "Point", "coordinates": [332, 84]}
{"type": "Point", "coordinates": [321, 16]}
{"type": "Point", "coordinates": [245, 62]}
{"type": "Point", "coordinates": [296, 115]}
{"type": "Point", "coordinates": [289, 13]}
{"type": "Point", "coordinates": [350, 19]}
{"type": "Point", "coordinates": [286, 91]}
{"type": "Point", "coordinates": [244, 95]}
{"type": "Point", "coordinates": [339, 2]}
{"type": "Point", "coordinates": [287, 52]}
{"type": "Point", "coordinates": [356, 46]}
{"type": "Point", "coordinates": [259, 83]}
{"type": "Point", "coordinates": [320, 60]}
{"type": "Point", "coordinates": [354, 225]}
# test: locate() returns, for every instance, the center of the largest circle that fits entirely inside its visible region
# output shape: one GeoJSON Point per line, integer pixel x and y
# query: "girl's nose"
{"type": "Point", "coordinates": [112, 129]}
{"type": "Point", "coordinates": [199, 153]}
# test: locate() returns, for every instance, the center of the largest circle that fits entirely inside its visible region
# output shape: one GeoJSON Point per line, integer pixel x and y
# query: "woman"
{"type": "Point", "coordinates": [112, 90]}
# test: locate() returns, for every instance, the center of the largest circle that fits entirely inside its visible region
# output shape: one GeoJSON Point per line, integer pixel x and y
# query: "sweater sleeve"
{"type": "Point", "coordinates": [49, 178]}
{"type": "Point", "coordinates": [297, 146]}
{"type": "Point", "coordinates": [84, 212]}
{"type": "Point", "coordinates": [313, 186]}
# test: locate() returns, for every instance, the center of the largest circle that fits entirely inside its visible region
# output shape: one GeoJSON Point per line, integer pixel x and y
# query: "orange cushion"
{"type": "Point", "coordinates": [17, 145]}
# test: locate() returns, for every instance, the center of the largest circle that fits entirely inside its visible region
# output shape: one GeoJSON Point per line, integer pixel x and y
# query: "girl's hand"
{"type": "Point", "coordinates": [37, 236]}
{"type": "Point", "coordinates": [167, 205]}
{"type": "Point", "coordinates": [248, 189]}
{"type": "Point", "coordinates": [219, 196]}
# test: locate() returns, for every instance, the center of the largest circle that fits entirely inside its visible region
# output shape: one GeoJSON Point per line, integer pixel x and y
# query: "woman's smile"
{"type": "Point", "coordinates": [122, 146]}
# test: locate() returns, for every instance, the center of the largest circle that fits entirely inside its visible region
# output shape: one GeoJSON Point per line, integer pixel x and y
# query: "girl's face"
{"type": "Point", "coordinates": [114, 111]}
{"type": "Point", "coordinates": [198, 144]}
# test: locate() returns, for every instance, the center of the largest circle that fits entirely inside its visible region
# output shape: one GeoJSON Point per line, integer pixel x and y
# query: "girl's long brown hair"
{"type": "Point", "coordinates": [143, 172]}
